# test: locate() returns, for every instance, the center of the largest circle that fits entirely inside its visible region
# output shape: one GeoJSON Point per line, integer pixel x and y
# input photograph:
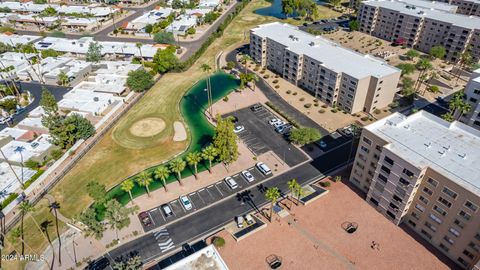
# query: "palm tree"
{"type": "Point", "coordinates": [127, 186]}
{"type": "Point", "coordinates": [244, 59]}
{"type": "Point", "coordinates": [139, 46]}
{"type": "Point", "coordinates": [293, 186]}
{"type": "Point", "coordinates": [144, 180]}
{"type": "Point", "coordinates": [423, 65]}
{"type": "Point", "coordinates": [44, 227]}
{"type": "Point", "coordinates": [206, 68]}
{"type": "Point", "coordinates": [178, 165]}
{"type": "Point", "coordinates": [63, 78]}
{"type": "Point", "coordinates": [193, 158]}
{"type": "Point", "coordinates": [54, 206]}
{"type": "Point", "coordinates": [465, 60]}
{"type": "Point", "coordinates": [162, 173]}
{"type": "Point", "coordinates": [272, 195]}
{"type": "Point", "coordinates": [209, 153]}
{"type": "Point", "coordinates": [26, 208]}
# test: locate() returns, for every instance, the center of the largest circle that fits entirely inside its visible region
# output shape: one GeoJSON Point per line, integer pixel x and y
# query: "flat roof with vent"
{"type": "Point", "coordinates": [424, 140]}
{"type": "Point", "coordinates": [332, 55]}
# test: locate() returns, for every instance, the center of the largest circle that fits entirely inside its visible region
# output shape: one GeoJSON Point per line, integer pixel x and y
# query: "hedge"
{"type": "Point", "coordinates": [284, 115]}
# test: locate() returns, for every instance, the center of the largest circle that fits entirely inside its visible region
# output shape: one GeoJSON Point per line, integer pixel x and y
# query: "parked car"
{"type": "Point", "coordinates": [256, 107]}
{"type": "Point", "coordinates": [99, 264]}
{"type": "Point", "coordinates": [231, 183]}
{"type": "Point", "coordinates": [248, 176]}
{"type": "Point", "coordinates": [233, 118]}
{"type": "Point", "coordinates": [3, 120]}
{"type": "Point", "coordinates": [167, 210]}
{"type": "Point", "coordinates": [264, 168]}
{"type": "Point", "coordinates": [19, 110]}
{"type": "Point", "coordinates": [283, 129]}
{"type": "Point", "coordinates": [346, 131]}
{"type": "Point", "coordinates": [238, 129]}
{"type": "Point", "coordinates": [186, 202]}
{"type": "Point", "coordinates": [323, 144]}
{"type": "Point", "coordinates": [279, 124]}
{"type": "Point", "coordinates": [249, 219]}
{"type": "Point", "coordinates": [239, 220]}
{"type": "Point", "coordinates": [145, 219]}
{"type": "Point", "coordinates": [274, 120]}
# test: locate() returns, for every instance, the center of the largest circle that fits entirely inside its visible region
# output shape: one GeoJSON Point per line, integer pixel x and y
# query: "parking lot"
{"type": "Point", "coordinates": [200, 199]}
{"type": "Point", "coordinates": [260, 136]}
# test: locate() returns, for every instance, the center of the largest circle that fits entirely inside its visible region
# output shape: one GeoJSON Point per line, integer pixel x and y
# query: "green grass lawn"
{"type": "Point", "coordinates": [118, 155]}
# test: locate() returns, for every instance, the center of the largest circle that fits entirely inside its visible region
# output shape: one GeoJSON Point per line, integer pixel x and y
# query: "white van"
{"type": "Point", "coordinates": [264, 168]}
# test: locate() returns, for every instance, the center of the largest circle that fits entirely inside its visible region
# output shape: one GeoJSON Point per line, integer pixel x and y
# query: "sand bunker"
{"type": "Point", "coordinates": [147, 127]}
{"type": "Point", "coordinates": [180, 132]}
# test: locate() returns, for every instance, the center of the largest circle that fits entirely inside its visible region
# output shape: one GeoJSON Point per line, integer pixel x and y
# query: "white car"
{"type": "Point", "coordinates": [238, 129]}
{"type": "Point", "coordinates": [273, 121]}
{"type": "Point", "coordinates": [248, 176]}
{"type": "Point", "coordinates": [239, 220]}
{"type": "Point", "coordinates": [249, 219]}
{"type": "Point", "coordinates": [230, 182]}
{"type": "Point", "coordinates": [279, 124]}
{"type": "Point", "coordinates": [264, 168]}
{"type": "Point", "coordinates": [186, 202]}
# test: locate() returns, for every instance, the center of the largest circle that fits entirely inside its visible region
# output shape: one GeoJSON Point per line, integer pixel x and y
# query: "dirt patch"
{"type": "Point", "coordinates": [180, 132]}
{"type": "Point", "coordinates": [147, 127]}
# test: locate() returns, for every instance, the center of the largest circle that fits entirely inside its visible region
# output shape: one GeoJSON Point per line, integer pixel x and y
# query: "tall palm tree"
{"type": "Point", "coordinates": [144, 180]}
{"type": "Point", "coordinates": [139, 46]}
{"type": "Point", "coordinates": [54, 206]}
{"type": "Point", "coordinates": [272, 195]}
{"type": "Point", "coordinates": [177, 166]}
{"type": "Point", "coordinates": [193, 158]}
{"type": "Point", "coordinates": [206, 68]}
{"type": "Point", "coordinates": [245, 58]}
{"type": "Point", "coordinates": [44, 227]}
{"type": "Point", "coordinates": [209, 153]}
{"type": "Point", "coordinates": [423, 65]}
{"type": "Point", "coordinates": [162, 173]}
{"type": "Point", "coordinates": [127, 186]}
{"type": "Point", "coordinates": [293, 186]}
{"type": "Point", "coordinates": [464, 60]}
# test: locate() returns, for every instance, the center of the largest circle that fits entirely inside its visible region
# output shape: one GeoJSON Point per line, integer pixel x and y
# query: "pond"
{"type": "Point", "coordinates": [192, 107]}
{"type": "Point", "coordinates": [275, 10]}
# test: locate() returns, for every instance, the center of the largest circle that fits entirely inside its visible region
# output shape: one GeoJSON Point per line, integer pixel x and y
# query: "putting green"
{"type": "Point", "coordinates": [147, 127]}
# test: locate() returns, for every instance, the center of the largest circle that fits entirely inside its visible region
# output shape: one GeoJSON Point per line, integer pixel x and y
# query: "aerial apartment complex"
{"type": "Point", "coordinates": [467, 7]}
{"type": "Point", "coordinates": [420, 26]}
{"type": "Point", "coordinates": [336, 75]}
{"type": "Point", "coordinates": [472, 96]}
{"type": "Point", "coordinates": [423, 171]}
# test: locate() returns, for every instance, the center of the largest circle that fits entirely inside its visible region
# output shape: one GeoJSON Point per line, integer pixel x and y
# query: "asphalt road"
{"type": "Point", "coordinates": [276, 99]}
{"type": "Point", "coordinates": [36, 90]}
{"type": "Point", "coordinates": [210, 219]}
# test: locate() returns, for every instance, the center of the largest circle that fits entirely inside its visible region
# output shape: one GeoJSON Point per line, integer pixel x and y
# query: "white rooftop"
{"type": "Point", "coordinates": [80, 46]}
{"type": "Point", "coordinates": [32, 122]}
{"type": "Point", "coordinates": [119, 68]}
{"type": "Point", "coordinates": [37, 8]}
{"type": "Point", "coordinates": [182, 23]}
{"type": "Point", "coordinates": [9, 182]}
{"type": "Point", "coordinates": [470, 22]}
{"type": "Point", "coordinates": [13, 39]}
{"type": "Point", "coordinates": [331, 54]}
{"type": "Point", "coordinates": [151, 17]}
{"type": "Point", "coordinates": [87, 101]}
{"type": "Point", "coordinates": [37, 112]}
{"type": "Point", "coordinates": [112, 88]}
{"type": "Point", "coordinates": [424, 140]}
{"type": "Point", "coordinates": [431, 4]}
{"type": "Point", "coordinates": [15, 133]}
{"type": "Point", "coordinates": [206, 258]}
{"type": "Point", "coordinates": [29, 149]}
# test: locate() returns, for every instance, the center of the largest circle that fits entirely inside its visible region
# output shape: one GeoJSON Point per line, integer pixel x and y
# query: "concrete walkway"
{"type": "Point", "coordinates": [60, 217]}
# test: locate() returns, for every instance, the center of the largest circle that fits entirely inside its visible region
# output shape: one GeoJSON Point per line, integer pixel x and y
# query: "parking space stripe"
{"type": "Point", "coordinates": [219, 189]}
{"type": "Point", "coordinates": [151, 218]}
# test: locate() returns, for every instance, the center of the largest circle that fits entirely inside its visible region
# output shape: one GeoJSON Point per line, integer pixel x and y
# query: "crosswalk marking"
{"type": "Point", "coordinates": [163, 239]}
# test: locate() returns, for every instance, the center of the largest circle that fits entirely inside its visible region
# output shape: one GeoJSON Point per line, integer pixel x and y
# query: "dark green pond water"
{"type": "Point", "coordinates": [192, 107]}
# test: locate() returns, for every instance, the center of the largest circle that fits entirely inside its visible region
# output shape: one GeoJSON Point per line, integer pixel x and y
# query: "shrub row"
{"type": "Point", "coordinates": [283, 114]}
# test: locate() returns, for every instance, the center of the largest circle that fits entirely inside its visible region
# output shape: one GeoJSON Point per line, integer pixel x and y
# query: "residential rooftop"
{"type": "Point", "coordinates": [206, 258]}
{"type": "Point", "coordinates": [94, 10]}
{"type": "Point", "coordinates": [9, 182]}
{"type": "Point", "coordinates": [29, 149]}
{"type": "Point", "coordinates": [13, 39]}
{"type": "Point", "coordinates": [332, 55]}
{"type": "Point", "coordinates": [424, 140]}
{"type": "Point", "coordinates": [470, 22]}
{"type": "Point", "coordinates": [431, 5]}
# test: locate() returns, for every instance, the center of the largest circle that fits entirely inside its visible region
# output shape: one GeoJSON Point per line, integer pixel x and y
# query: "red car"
{"type": "Point", "coordinates": [145, 219]}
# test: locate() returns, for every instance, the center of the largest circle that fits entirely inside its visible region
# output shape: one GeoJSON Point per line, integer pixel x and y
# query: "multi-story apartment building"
{"type": "Point", "coordinates": [423, 171]}
{"type": "Point", "coordinates": [421, 27]}
{"type": "Point", "coordinates": [472, 96]}
{"type": "Point", "coordinates": [466, 7]}
{"type": "Point", "coordinates": [338, 76]}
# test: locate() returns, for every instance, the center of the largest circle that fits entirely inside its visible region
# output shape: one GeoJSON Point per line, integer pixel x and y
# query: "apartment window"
{"type": "Point", "coordinates": [364, 149]}
{"type": "Point", "coordinates": [367, 141]}
{"type": "Point", "coordinates": [423, 199]}
{"type": "Point", "coordinates": [416, 215]}
{"type": "Point", "coordinates": [404, 182]}
{"type": "Point", "coordinates": [429, 236]}
{"type": "Point", "coordinates": [465, 215]}
{"type": "Point", "coordinates": [435, 218]}
{"type": "Point", "coordinates": [390, 214]}
{"type": "Point", "coordinates": [382, 177]}
{"type": "Point", "coordinates": [420, 207]}
{"type": "Point", "coordinates": [448, 239]}
{"type": "Point", "coordinates": [474, 246]}
{"type": "Point", "coordinates": [413, 224]}
{"type": "Point", "coordinates": [432, 182]}
{"type": "Point", "coordinates": [471, 206]}
{"type": "Point", "coordinates": [374, 201]}
{"type": "Point", "coordinates": [443, 247]}
{"type": "Point", "coordinates": [439, 210]}
{"type": "Point", "coordinates": [468, 254]}
{"type": "Point", "coordinates": [449, 192]}
{"type": "Point", "coordinates": [454, 232]}
{"type": "Point", "coordinates": [378, 147]}
{"type": "Point", "coordinates": [430, 226]}
{"type": "Point", "coordinates": [427, 191]}
{"type": "Point", "coordinates": [388, 160]}
{"type": "Point", "coordinates": [408, 173]}
{"type": "Point", "coordinates": [444, 202]}
{"type": "Point", "coordinates": [459, 223]}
